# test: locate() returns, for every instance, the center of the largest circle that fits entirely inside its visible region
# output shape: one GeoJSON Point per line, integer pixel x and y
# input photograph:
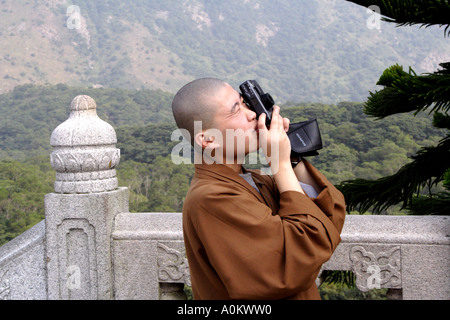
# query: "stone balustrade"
{"type": "Point", "coordinates": [91, 247]}
{"type": "Point", "coordinates": [406, 253]}
{"type": "Point", "coordinates": [147, 260]}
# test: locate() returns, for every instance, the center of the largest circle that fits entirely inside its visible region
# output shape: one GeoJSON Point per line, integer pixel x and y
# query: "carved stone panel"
{"type": "Point", "coordinates": [376, 266]}
{"type": "Point", "coordinates": [77, 259]}
{"type": "Point", "coordinates": [172, 263]}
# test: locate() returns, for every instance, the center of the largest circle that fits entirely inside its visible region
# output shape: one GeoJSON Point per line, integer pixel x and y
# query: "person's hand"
{"type": "Point", "coordinates": [274, 141]}
{"type": "Point", "coordinates": [277, 148]}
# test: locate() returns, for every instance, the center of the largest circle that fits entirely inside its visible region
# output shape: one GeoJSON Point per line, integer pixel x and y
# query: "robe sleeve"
{"type": "Point", "coordinates": [259, 254]}
{"type": "Point", "coordinates": [330, 200]}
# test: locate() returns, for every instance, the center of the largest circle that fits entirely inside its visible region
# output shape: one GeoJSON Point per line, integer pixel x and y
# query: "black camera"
{"type": "Point", "coordinates": [304, 136]}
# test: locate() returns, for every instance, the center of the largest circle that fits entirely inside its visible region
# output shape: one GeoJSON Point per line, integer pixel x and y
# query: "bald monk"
{"type": "Point", "coordinates": [250, 235]}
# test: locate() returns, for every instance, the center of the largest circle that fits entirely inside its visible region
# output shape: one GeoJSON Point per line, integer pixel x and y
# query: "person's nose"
{"type": "Point", "coordinates": [251, 115]}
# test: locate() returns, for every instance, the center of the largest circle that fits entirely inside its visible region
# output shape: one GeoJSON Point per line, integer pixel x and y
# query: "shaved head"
{"type": "Point", "coordinates": [197, 101]}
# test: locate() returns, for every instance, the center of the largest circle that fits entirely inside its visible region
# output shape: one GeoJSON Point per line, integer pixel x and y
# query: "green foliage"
{"type": "Point", "coordinates": [160, 186]}
{"type": "Point", "coordinates": [22, 190]}
{"type": "Point", "coordinates": [145, 143]}
{"type": "Point", "coordinates": [30, 113]}
{"type": "Point", "coordinates": [441, 120]}
{"type": "Point", "coordinates": [427, 169]}
{"type": "Point", "coordinates": [330, 291]}
{"type": "Point", "coordinates": [406, 92]}
{"type": "Point", "coordinates": [346, 278]}
{"type": "Point", "coordinates": [435, 204]}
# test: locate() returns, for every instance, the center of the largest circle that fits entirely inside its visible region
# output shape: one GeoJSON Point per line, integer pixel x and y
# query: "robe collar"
{"type": "Point", "coordinates": [224, 173]}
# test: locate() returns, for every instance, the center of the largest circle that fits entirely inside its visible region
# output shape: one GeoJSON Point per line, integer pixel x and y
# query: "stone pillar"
{"type": "Point", "coordinates": [80, 214]}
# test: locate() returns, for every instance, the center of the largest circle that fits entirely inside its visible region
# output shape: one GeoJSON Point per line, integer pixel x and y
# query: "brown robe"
{"type": "Point", "coordinates": [241, 244]}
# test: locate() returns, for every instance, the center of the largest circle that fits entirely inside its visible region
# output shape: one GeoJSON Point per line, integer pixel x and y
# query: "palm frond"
{"type": "Point", "coordinates": [427, 168]}
{"type": "Point", "coordinates": [406, 91]}
{"type": "Point", "coordinates": [412, 12]}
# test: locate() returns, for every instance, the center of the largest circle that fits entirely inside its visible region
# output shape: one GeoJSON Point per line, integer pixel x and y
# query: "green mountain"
{"type": "Point", "coordinates": [320, 51]}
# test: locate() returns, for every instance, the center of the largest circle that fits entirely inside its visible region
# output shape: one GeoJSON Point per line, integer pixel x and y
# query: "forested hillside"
{"type": "Point", "coordinates": [354, 146]}
{"type": "Point", "coordinates": [29, 113]}
{"type": "Point", "coordinates": [315, 50]}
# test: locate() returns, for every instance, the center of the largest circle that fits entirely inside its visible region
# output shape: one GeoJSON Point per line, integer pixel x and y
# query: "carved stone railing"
{"type": "Point", "coordinates": [91, 247]}
{"type": "Point", "coordinates": [149, 255]}
{"type": "Point", "coordinates": [409, 254]}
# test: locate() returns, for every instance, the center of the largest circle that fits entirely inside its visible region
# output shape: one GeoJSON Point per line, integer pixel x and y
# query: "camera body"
{"type": "Point", "coordinates": [257, 100]}
{"type": "Point", "coordinates": [304, 136]}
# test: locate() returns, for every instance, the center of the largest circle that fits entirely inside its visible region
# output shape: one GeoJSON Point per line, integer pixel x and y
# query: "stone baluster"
{"type": "Point", "coordinates": [80, 214]}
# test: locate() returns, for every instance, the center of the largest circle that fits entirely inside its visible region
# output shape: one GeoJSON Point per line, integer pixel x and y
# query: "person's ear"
{"type": "Point", "coordinates": [205, 141]}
